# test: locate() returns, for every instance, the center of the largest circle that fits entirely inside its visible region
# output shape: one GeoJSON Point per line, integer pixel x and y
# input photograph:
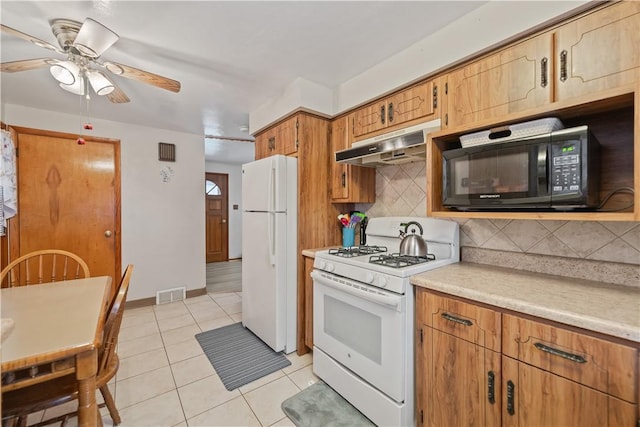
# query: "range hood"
{"type": "Point", "coordinates": [400, 146]}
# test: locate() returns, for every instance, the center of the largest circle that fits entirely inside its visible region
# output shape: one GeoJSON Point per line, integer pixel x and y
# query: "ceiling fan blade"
{"type": "Point", "coordinates": [117, 96]}
{"type": "Point", "coordinates": [94, 38]}
{"type": "Point", "coordinates": [26, 65]}
{"type": "Point", "coordinates": [29, 38]}
{"type": "Point", "coordinates": [143, 76]}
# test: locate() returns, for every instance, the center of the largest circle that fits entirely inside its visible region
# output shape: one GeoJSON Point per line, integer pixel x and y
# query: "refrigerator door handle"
{"type": "Point", "coordinates": [272, 188]}
{"type": "Point", "coordinates": [271, 238]}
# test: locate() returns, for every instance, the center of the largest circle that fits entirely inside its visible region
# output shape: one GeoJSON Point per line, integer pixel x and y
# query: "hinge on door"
{"type": "Point", "coordinates": [297, 141]}
{"type": "Point", "coordinates": [446, 119]}
{"type": "Point", "coordinates": [446, 88]}
{"type": "Point", "coordinates": [435, 97]}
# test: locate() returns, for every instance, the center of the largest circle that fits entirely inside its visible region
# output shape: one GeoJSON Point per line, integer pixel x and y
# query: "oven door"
{"type": "Point", "coordinates": [363, 328]}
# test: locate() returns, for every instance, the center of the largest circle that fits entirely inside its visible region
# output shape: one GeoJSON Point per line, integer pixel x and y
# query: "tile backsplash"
{"type": "Point", "coordinates": [401, 191]}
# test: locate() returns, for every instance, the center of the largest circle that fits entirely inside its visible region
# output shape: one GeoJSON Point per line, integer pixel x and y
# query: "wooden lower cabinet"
{"type": "Point", "coordinates": [459, 382]}
{"type": "Point", "coordinates": [542, 373]}
{"type": "Point", "coordinates": [535, 397]}
{"type": "Point", "coordinates": [458, 377]}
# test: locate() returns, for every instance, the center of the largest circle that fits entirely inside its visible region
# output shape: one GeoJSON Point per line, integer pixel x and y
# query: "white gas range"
{"type": "Point", "coordinates": [363, 316]}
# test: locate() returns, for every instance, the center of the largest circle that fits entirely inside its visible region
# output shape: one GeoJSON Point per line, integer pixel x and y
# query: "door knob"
{"type": "Point", "coordinates": [107, 233]}
{"type": "Point", "coordinates": [224, 221]}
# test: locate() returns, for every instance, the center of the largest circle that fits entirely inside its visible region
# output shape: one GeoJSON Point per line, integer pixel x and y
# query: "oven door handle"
{"type": "Point", "coordinates": [386, 300]}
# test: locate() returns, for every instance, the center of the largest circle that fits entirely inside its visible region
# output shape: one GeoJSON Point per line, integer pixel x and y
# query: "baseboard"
{"type": "Point", "coordinates": [146, 302]}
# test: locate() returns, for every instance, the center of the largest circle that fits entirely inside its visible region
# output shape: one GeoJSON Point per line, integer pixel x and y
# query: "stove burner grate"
{"type": "Point", "coordinates": [399, 261]}
{"type": "Point", "coordinates": [354, 251]}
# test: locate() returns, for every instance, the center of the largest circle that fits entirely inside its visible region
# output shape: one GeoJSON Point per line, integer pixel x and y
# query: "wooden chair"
{"type": "Point", "coordinates": [48, 265]}
{"type": "Point", "coordinates": [17, 404]}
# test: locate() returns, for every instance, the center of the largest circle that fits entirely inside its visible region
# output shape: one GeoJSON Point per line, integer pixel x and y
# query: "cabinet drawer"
{"type": "Point", "coordinates": [467, 321]}
{"type": "Point", "coordinates": [603, 365]}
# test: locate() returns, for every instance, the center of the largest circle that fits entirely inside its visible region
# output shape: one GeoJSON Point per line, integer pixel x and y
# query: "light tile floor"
{"type": "Point", "coordinates": [165, 379]}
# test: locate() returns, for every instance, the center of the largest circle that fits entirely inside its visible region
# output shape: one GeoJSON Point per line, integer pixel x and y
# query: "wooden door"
{"type": "Point", "coordinates": [287, 137]}
{"type": "Point", "coordinates": [410, 104]}
{"type": "Point", "coordinates": [68, 198]}
{"type": "Point", "coordinates": [511, 80]}
{"type": "Point", "coordinates": [370, 118]}
{"type": "Point", "coordinates": [599, 51]}
{"type": "Point", "coordinates": [454, 382]}
{"type": "Point", "coordinates": [540, 398]}
{"type": "Point", "coordinates": [349, 183]}
{"type": "Point", "coordinates": [216, 217]}
{"type": "Point", "coordinates": [339, 141]}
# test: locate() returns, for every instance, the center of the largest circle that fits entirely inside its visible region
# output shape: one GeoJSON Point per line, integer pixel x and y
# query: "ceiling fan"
{"type": "Point", "coordinates": [83, 44]}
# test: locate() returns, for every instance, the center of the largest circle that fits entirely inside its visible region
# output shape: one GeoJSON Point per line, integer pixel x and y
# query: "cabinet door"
{"type": "Point", "coordinates": [339, 141]}
{"type": "Point", "coordinates": [459, 382]}
{"type": "Point", "coordinates": [511, 80]}
{"type": "Point", "coordinates": [261, 145]}
{"type": "Point", "coordinates": [599, 51]}
{"type": "Point", "coordinates": [410, 104]}
{"type": "Point", "coordinates": [287, 137]}
{"type": "Point", "coordinates": [349, 183]}
{"type": "Point", "coordinates": [533, 397]}
{"type": "Point", "coordinates": [370, 119]}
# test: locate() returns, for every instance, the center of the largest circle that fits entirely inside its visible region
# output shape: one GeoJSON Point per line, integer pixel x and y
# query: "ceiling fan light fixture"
{"type": "Point", "coordinates": [100, 83]}
{"type": "Point", "coordinates": [77, 88]}
{"type": "Point", "coordinates": [94, 38]}
{"type": "Point", "coordinates": [66, 72]}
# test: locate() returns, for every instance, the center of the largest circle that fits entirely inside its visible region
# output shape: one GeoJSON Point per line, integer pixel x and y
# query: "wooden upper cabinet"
{"type": "Point", "coordinates": [349, 183]}
{"type": "Point", "coordinates": [287, 137]}
{"type": "Point", "coordinates": [261, 145]}
{"type": "Point", "coordinates": [280, 139]}
{"type": "Point", "coordinates": [514, 79]}
{"type": "Point", "coordinates": [598, 51]}
{"type": "Point", "coordinates": [414, 103]}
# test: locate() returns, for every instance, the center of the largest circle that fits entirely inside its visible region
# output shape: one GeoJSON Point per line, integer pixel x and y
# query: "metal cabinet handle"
{"type": "Point", "coordinates": [491, 380]}
{"type": "Point", "coordinates": [344, 179]}
{"type": "Point", "coordinates": [108, 233]}
{"type": "Point", "coordinates": [382, 114]}
{"type": "Point", "coordinates": [560, 353]}
{"type": "Point", "coordinates": [563, 65]}
{"type": "Point", "coordinates": [511, 388]}
{"type": "Point", "coordinates": [465, 322]}
{"type": "Point", "coordinates": [390, 112]}
{"type": "Point", "coordinates": [543, 72]}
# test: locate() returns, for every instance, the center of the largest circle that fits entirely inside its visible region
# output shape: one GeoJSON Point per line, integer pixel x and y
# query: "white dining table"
{"type": "Point", "coordinates": [53, 322]}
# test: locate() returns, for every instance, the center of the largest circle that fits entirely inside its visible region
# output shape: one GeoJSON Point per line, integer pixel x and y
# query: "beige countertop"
{"type": "Point", "coordinates": [602, 307]}
{"type": "Point", "coordinates": [312, 252]}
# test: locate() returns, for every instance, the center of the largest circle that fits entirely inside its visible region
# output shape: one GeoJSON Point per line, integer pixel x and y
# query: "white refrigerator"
{"type": "Point", "coordinates": [269, 250]}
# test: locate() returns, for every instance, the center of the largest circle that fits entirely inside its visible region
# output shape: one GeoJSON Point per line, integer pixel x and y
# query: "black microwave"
{"type": "Point", "coordinates": [558, 170]}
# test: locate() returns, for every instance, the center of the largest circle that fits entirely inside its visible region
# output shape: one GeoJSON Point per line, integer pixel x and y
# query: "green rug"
{"type": "Point", "coordinates": [320, 406]}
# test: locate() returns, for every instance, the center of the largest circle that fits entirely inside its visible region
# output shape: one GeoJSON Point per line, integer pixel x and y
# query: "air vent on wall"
{"type": "Point", "coordinates": [170, 295]}
{"type": "Point", "coordinates": [166, 152]}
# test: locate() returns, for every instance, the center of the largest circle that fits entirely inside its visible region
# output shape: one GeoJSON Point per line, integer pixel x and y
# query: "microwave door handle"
{"type": "Point", "coordinates": [543, 168]}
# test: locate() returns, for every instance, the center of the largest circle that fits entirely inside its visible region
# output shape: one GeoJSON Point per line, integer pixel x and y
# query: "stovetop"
{"type": "Point", "coordinates": [353, 251]}
{"type": "Point", "coordinates": [380, 263]}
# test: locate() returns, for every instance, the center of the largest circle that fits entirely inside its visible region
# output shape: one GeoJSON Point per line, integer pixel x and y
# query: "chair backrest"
{"type": "Point", "coordinates": [48, 265]}
{"type": "Point", "coordinates": [114, 319]}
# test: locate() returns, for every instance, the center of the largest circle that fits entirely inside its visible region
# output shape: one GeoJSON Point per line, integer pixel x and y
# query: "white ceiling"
{"type": "Point", "coordinates": [231, 57]}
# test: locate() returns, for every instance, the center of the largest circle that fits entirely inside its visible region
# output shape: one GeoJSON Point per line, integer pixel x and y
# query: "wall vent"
{"type": "Point", "coordinates": [171, 295]}
{"type": "Point", "coordinates": [166, 152]}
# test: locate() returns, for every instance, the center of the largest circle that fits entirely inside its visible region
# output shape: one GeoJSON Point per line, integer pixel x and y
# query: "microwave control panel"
{"type": "Point", "coordinates": [565, 173]}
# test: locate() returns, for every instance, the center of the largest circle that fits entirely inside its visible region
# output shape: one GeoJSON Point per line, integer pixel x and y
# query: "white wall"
{"type": "Point", "coordinates": [235, 198]}
{"type": "Point", "coordinates": [162, 222]}
{"type": "Point", "coordinates": [491, 23]}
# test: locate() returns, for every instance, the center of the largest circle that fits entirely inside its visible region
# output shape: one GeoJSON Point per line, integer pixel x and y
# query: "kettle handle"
{"type": "Point", "coordinates": [406, 227]}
